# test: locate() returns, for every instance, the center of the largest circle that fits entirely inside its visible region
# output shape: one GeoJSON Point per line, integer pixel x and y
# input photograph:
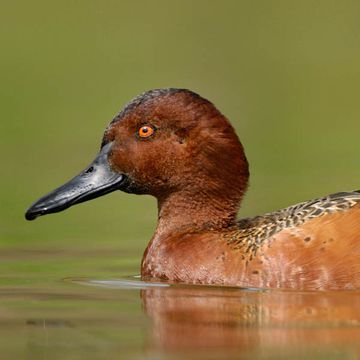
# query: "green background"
{"type": "Point", "coordinates": [285, 73]}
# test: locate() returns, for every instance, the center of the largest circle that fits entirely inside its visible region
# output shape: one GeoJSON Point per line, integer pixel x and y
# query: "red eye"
{"type": "Point", "coordinates": [146, 131]}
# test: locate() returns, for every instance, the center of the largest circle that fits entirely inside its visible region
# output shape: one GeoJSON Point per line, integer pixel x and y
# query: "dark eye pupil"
{"type": "Point", "coordinates": [145, 129]}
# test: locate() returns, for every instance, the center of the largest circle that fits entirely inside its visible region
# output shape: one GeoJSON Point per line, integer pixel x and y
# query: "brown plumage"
{"type": "Point", "coordinates": [194, 164]}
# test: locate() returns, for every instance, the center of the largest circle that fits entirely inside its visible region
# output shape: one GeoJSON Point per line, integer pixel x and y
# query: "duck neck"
{"type": "Point", "coordinates": [195, 211]}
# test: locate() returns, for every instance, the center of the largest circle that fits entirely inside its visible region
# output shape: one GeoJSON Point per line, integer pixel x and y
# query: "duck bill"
{"type": "Point", "coordinates": [96, 180]}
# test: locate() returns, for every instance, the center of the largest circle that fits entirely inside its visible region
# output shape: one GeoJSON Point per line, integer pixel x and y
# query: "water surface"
{"type": "Point", "coordinates": [125, 318]}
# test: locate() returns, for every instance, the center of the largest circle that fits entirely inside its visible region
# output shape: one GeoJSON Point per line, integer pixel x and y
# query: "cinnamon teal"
{"type": "Point", "coordinates": [175, 145]}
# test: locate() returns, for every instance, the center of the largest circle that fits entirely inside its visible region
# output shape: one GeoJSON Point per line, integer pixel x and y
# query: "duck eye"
{"type": "Point", "coordinates": [146, 131]}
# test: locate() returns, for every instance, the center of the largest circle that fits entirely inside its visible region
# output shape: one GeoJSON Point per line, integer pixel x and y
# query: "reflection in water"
{"type": "Point", "coordinates": [105, 317]}
{"type": "Point", "coordinates": [193, 318]}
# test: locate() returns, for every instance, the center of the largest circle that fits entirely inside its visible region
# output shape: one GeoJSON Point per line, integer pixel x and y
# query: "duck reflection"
{"type": "Point", "coordinates": [185, 318]}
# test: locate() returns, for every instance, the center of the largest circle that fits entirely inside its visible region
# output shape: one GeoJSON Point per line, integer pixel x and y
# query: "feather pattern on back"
{"type": "Point", "coordinates": [254, 231]}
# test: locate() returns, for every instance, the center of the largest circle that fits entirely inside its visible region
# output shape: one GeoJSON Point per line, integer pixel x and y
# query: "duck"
{"type": "Point", "coordinates": [177, 146]}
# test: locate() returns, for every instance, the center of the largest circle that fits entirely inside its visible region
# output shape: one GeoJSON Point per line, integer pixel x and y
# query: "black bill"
{"type": "Point", "coordinates": [96, 180]}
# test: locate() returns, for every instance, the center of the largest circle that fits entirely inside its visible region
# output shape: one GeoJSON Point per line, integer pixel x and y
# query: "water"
{"type": "Point", "coordinates": [126, 318]}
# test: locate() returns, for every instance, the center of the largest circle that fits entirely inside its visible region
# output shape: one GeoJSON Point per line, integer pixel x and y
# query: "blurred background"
{"type": "Point", "coordinates": [285, 73]}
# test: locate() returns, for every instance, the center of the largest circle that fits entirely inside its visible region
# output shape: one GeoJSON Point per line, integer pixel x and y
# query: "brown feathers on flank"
{"type": "Point", "coordinates": [254, 231]}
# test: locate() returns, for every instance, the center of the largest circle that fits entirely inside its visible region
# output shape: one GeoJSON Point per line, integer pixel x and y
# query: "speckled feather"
{"type": "Point", "coordinates": [253, 232]}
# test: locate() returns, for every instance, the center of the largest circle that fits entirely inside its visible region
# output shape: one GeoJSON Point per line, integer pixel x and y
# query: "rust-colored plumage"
{"type": "Point", "coordinates": [176, 146]}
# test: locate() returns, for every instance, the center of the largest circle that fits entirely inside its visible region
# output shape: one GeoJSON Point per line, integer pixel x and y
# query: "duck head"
{"type": "Point", "coordinates": [169, 143]}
